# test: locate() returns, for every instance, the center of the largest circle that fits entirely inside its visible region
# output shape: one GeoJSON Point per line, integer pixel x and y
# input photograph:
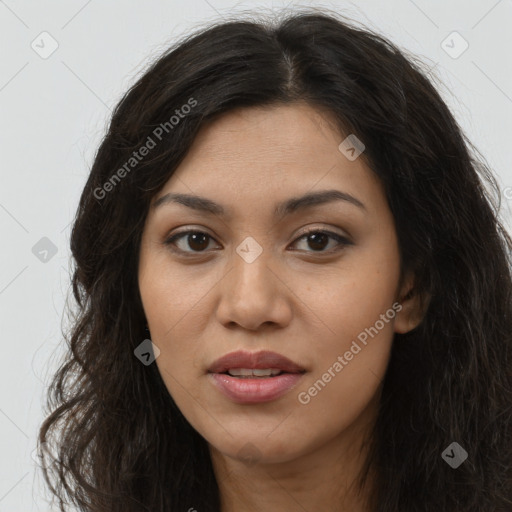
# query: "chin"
{"type": "Point", "coordinates": [257, 447]}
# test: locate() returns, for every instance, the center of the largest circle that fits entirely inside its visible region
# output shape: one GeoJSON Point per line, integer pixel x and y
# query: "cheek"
{"type": "Point", "coordinates": [176, 308]}
{"type": "Point", "coordinates": [172, 294]}
{"type": "Point", "coordinates": [357, 308]}
{"type": "Point", "coordinates": [350, 364]}
{"type": "Point", "coordinates": [357, 294]}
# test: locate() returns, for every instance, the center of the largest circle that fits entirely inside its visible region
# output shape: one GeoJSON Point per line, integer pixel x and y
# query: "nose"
{"type": "Point", "coordinates": [254, 294]}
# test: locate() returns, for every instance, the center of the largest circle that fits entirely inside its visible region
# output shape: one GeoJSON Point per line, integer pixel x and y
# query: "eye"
{"type": "Point", "coordinates": [199, 241]}
{"type": "Point", "coordinates": [317, 238]}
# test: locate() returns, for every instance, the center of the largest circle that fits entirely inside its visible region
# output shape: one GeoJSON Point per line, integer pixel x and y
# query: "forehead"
{"type": "Point", "coordinates": [289, 131]}
{"type": "Point", "coordinates": [260, 154]}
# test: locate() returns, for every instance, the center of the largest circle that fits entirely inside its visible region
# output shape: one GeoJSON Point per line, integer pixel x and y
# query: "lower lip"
{"type": "Point", "coordinates": [257, 390]}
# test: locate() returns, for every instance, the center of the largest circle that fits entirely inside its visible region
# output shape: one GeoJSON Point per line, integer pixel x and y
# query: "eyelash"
{"type": "Point", "coordinates": [342, 241]}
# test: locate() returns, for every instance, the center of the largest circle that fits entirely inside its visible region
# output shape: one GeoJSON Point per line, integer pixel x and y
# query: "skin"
{"type": "Point", "coordinates": [298, 299]}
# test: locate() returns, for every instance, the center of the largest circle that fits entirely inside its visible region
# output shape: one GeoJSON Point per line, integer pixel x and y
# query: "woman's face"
{"type": "Point", "coordinates": [252, 280]}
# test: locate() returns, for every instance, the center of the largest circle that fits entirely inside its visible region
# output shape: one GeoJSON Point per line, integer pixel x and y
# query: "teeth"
{"type": "Point", "coordinates": [248, 372]}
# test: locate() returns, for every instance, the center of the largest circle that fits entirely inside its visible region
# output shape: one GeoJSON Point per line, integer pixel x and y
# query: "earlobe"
{"type": "Point", "coordinates": [414, 308]}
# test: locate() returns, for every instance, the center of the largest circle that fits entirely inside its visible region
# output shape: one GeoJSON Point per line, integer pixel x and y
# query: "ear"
{"type": "Point", "coordinates": [414, 307]}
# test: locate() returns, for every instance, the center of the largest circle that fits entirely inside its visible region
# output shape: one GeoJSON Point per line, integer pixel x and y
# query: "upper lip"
{"type": "Point", "coordinates": [252, 360]}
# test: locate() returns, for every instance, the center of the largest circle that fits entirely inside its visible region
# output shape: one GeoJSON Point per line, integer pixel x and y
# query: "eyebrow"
{"type": "Point", "coordinates": [287, 207]}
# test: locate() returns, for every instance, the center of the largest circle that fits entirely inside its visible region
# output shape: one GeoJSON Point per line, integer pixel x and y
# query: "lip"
{"type": "Point", "coordinates": [254, 360]}
{"type": "Point", "coordinates": [258, 389]}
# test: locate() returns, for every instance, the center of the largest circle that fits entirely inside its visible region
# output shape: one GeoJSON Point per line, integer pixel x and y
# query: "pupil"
{"type": "Point", "coordinates": [314, 239]}
{"type": "Point", "coordinates": [195, 237]}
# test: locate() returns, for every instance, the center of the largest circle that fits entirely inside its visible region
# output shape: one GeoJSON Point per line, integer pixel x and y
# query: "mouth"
{"type": "Point", "coordinates": [250, 378]}
{"type": "Point", "coordinates": [254, 373]}
{"type": "Point", "coordinates": [254, 364]}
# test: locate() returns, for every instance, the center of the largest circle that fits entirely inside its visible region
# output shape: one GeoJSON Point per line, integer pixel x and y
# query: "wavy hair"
{"type": "Point", "coordinates": [114, 438]}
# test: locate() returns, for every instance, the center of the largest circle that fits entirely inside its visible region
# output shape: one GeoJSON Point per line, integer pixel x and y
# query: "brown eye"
{"type": "Point", "coordinates": [196, 240]}
{"type": "Point", "coordinates": [317, 240]}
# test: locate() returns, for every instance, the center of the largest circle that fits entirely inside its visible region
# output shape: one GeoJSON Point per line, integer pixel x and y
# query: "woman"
{"type": "Point", "coordinates": [293, 289]}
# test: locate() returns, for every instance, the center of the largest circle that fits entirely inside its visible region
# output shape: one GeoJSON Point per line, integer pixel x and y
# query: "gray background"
{"type": "Point", "coordinates": [54, 110]}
